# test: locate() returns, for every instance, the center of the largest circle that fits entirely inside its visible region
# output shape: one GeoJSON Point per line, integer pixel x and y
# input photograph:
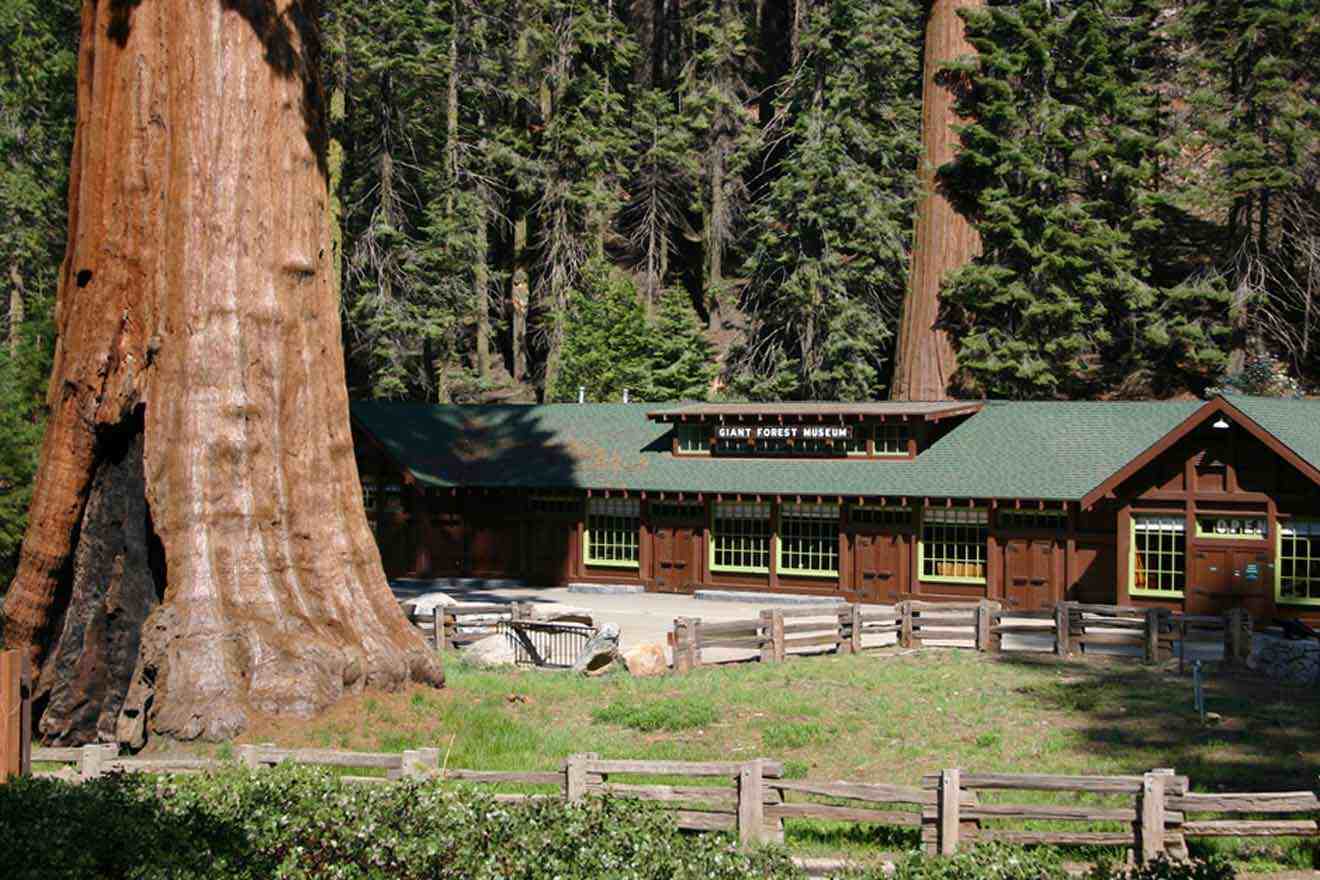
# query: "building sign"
{"type": "Point", "coordinates": [783, 432]}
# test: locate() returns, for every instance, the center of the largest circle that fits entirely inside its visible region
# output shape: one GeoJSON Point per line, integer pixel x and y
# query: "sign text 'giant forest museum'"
{"type": "Point", "coordinates": [1202, 506]}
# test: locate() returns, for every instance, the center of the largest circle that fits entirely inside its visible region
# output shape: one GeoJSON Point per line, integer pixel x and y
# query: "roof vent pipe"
{"type": "Point", "coordinates": [625, 395]}
{"type": "Point", "coordinates": [582, 394]}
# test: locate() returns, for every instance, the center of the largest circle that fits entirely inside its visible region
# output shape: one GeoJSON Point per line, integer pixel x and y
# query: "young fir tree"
{"type": "Point", "coordinates": [681, 357]}
{"type": "Point", "coordinates": [830, 260]}
{"type": "Point", "coordinates": [606, 346]}
{"type": "Point", "coordinates": [1062, 166]}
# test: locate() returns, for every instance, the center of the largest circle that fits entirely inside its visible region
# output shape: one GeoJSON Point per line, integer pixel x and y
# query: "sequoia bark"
{"type": "Point", "coordinates": [197, 323]}
{"type": "Point", "coordinates": [944, 238]}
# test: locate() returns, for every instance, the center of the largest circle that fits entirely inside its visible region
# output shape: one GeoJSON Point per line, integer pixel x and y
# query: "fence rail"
{"type": "Point", "coordinates": [1151, 814]}
{"type": "Point", "coordinates": [551, 640]}
{"type": "Point", "coordinates": [1071, 628]}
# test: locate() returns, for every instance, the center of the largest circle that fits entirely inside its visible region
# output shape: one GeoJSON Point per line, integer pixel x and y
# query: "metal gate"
{"type": "Point", "coordinates": [554, 645]}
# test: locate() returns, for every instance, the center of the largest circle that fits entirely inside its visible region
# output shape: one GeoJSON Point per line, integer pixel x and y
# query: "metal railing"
{"type": "Point", "coordinates": [537, 643]}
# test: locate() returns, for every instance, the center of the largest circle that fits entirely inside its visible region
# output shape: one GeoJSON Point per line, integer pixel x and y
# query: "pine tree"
{"type": "Point", "coordinates": [1063, 167]}
{"type": "Point", "coordinates": [831, 250]}
{"type": "Point", "coordinates": [681, 358]}
{"type": "Point", "coordinates": [606, 342]}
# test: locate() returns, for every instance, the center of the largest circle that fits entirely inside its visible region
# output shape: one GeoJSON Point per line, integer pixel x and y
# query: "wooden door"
{"type": "Point", "coordinates": [1029, 573]}
{"type": "Point", "coordinates": [1224, 578]}
{"type": "Point", "coordinates": [550, 551]}
{"type": "Point", "coordinates": [879, 566]}
{"type": "Point", "coordinates": [675, 568]}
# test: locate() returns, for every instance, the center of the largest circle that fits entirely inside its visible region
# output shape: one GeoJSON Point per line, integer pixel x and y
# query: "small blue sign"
{"type": "Point", "coordinates": [1253, 571]}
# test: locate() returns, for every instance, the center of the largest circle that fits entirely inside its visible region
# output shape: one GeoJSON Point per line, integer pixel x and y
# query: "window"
{"type": "Point", "coordinates": [740, 537]}
{"type": "Point", "coordinates": [1032, 519]}
{"type": "Point", "coordinates": [1159, 555]}
{"type": "Point", "coordinates": [612, 525]}
{"type": "Point", "coordinates": [953, 544]}
{"type": "Point", "coordinates": [872, 515]}
{"type": "Point", "coordinates": [856, 444]}
{"type": "Point", "coordinates": [558, 505]}
{"type": "Point", "coordinates": [1299, 562]}
{"type": "Point", "coordinates": [392, 501]}
{"type": "Point", "coordinates": [809, 539]}
{"type": "Point", "coordinates": [891, 440]}
{"type": "Point", "coordinates": [369, 497]}
{"type": "Point", "coordinates": [692, 439]}
{"type": "Point", "coordinates": [1214, 526]}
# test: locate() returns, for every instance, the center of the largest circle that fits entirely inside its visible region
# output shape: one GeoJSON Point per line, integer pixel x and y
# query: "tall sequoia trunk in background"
{"type": "Point", "coordinates": [197, 549]}
{"type": "Point", "coordinates": [944, 238]}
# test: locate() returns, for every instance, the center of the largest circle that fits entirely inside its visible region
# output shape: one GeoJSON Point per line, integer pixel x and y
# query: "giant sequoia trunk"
{"type": "Point", "coordinates": [197, 548]}
{"type": "Point", "coordinates": [944, 238]}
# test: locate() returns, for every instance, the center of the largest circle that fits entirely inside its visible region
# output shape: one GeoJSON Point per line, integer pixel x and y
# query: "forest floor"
{"type": "Point", "coordinates": [887, 716]}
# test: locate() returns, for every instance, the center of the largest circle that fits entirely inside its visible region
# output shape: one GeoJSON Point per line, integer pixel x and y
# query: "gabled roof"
{"type": "Point", "coordinates": [1053, 451]}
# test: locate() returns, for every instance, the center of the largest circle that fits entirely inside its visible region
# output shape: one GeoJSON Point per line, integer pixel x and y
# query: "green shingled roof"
{"type": "Point", "coordinates": [1046, 450]}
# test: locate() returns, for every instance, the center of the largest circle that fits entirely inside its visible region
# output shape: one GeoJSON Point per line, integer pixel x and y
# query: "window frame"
{"type": "Point", "coordinates": [589, 544]}
{"type": "Point", "coordinates": [715, 537]}
{"type": "Point", "coordinates": [893, 517]}
{"type": "Point", "coordinates": [701, 428]}
{"type": "Point", "coordinates": [953, 579]}
{"type": "Point", "coordinates": [904, 436]}
{"type": "Point", "coordinates": [1216, 536]}
{"type": "Point", "coordinates": [1147, 592]}
{"type": "Point", "coordinates": [1313, 593]}
{"type": "Point", "coordinates": [781, 553]}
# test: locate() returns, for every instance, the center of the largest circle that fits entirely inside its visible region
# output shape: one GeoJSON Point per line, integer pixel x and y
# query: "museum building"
{"type": "Point", "coordinates": [1200, 506]}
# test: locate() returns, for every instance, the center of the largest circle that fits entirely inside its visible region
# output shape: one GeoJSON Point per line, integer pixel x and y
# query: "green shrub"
{"type": "Point", "coordinates": [985, 862]}
{"type": "Point", "coordinates": [302, 823]}
{"type": "Point", "coordinates": [1213, 868]}
{"type": "Point", "coordinates": [669, 714]}
{"type": "Point", "coordinates": [790, 734]}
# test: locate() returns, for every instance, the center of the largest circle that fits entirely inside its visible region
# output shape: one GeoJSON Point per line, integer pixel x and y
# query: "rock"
{"type": "Point", "coordinates": [1293, 661]}
{"type": "Point", "coordinates": [599, 652]}
{"type": "Point", "coordinates": [492, 651]}
{"type": "Point", "coordinates": [428, 602]}
{"type": "Point", "coordinates": [646, 660]}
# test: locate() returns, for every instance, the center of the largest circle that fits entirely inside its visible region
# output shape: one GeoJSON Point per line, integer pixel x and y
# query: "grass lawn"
{"type": "Point", "coordinates": [878, 717]}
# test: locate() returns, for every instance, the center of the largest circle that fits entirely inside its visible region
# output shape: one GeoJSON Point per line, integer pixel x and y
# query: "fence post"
{"type": "Point", "coordinates": [1246, 635]}
{"type": "Point", "coordinates": [438, 624]}
{"type": "Point", "coordinates": [575, 777]}
{"type": "Point", "coordinates": [751, 811]}
{"type": "Point", "coordinates": [1151, 809]}
{"type": "Point", "coordinates": [1152, 635]}
{"type": "Point", "coordinates": [249, 756]}
{"type": "Point", "coordinates": [411, 767]}
{"type": "Point", "coordinates": [767, 636]}
{"type": "Point", "coordinates": [11, 715]}
{"type": "Point", "coordinates": [90, 761]}
{"type": "Point", "coordinates": [1237, 627]}
{"type": "Point", "coordinates": [694, 643]}
{"type": "Point", "coordinates": [777, 635]}
{"type": "Point", "coordinates": [983, 625]}
{"type": "Point", "coordinates": [904, 609]}
{"type": "Point", "coordinates": [856, 628]}
{"type": "Point", "coordinates": [1062, 630]}
{"type": "Point", "coordinates": [948, 809]}
{"type": "Point", "coordinates": [682, 656]}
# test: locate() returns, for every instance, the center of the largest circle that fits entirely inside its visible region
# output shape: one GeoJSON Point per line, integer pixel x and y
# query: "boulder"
{"type": "Point", "coordinates": [427, 602]}
{"type": "Point", "coordinates": [492, 651]}
{"type": "Point", "coordinates": [599, 651]}
{"type": "Point", "coordinates": [646, 660]}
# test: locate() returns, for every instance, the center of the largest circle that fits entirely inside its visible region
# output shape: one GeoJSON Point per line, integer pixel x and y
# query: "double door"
{"type": "Point", "coordinates": [880, 566]}
{"type": "Point", "coordinates": [1224, 578]}
{"type": "Point", "coordinates": [675, 554]}
{"type": "Point", "coordinates": [1030, 573]}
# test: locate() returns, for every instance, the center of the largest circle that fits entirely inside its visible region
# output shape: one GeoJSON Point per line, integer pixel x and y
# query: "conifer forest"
{"type": "Point", "coordinates": [696, 199]}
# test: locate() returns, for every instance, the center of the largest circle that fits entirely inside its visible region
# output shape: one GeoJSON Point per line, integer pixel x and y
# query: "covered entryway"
{"type": "Point", "coordinates": [1224, 578]}
{"type": "Point", "coordinates": [880, 563]}
{"type": "Point", "coordinates": [676, 543]}
{"type": "Point", "coordinates": [1030, 566]}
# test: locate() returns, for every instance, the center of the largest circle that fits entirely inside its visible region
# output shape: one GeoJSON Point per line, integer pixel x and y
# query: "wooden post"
{"type": "Point", "coordinates": [250, 756]}
{"type": "Point", "coordinates": [856, 628]}
{"type": "Point", "coordinates": [694, 643]}
{"type": "Point", "coordinates": [1152, 635]}
{"type": "Point", "coordinates": [11, 714]}
{"type": "Point", "coordinates": [90, 759]}
{"type": "Point", "coordinates": [751, 811]}
{"type": "Point", "coordinates": [768, 635]}
{"type": "Point", "coordinates": [1245, 635]}
{"type": "Point", "coordinates": [777, 634]}
{"type": "Point", "coordinates": [438, 623]}
{"type": "Point", "coordinates": [905, 624]}
{"type": "Point", "coordinates": [1237, 636]}
{"type": "Point", "coordinates": [575, 777]}
{"type": "Point", "coordinates": [25, 716]}
{"type": "Point", "coordinates": [1062, 630]}
{"type": "Point", "coordinates": [412, 765]}
{"type": "Point", "coordinates": [983, 625]}
{"type": "Point", "coordinates": [949, 790]}
{"type": "Point", "coordinates": [682, 654]}
{"type": "Point", "coordinates": [429, 760]}
{"type": "Point", "coordinates": [1151, 810]}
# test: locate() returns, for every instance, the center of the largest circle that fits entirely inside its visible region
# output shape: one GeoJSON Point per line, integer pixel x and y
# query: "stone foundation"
{"type": "Point", "coordinates": [1293, 661]}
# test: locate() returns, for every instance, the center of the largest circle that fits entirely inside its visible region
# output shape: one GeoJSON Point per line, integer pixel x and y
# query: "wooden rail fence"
{"type": "Point", "coordinates": [1152, 814]}
{"type": "Point", "coordinates": [467, 622]}
{"type": "Point", "coordinates": [15, 715]}
{"type": "Point", "coordinates": [1070, 628]}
